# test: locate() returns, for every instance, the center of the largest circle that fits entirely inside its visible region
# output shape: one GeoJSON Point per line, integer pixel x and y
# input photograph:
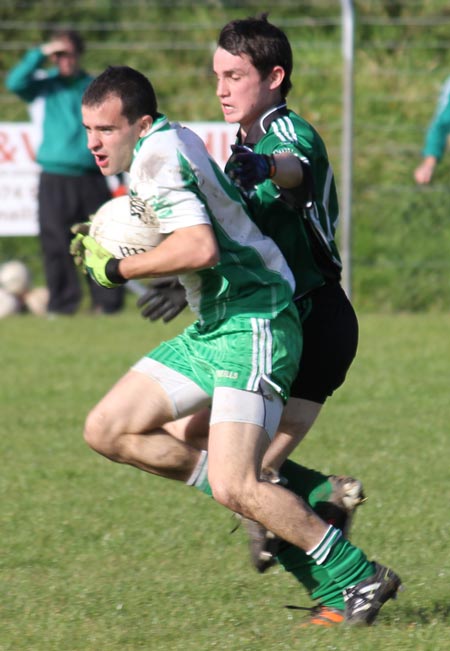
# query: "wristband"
{"type": "Point", "coordinates": [112, 272]}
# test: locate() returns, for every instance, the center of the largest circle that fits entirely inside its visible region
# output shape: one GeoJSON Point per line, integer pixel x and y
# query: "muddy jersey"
{"type": "Point", "coordinates": [174, 183]}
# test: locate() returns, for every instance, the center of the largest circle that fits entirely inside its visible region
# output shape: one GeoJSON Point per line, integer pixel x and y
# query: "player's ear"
{"type": "Point", "coordinates": [276, 77]}
{"type": "Point", "coordinates": [146, 125]}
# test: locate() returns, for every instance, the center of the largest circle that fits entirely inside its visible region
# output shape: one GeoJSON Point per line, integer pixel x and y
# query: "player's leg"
{"type": "Point", "coordinates": [297, 419]}
{"type": "Point", "coordinates": [331, 496]}
{"type": "Point", "coordinates": [334, 497]}
{"type": "Point", "coordinates": [241, 423]}
{"type": "Point", "coordinates": [330, 335]}
{"type": "Point", "coordinates": [237, 443]}
{"type": "Point", "coordinates": [127, 425]}
{"type": "Point", "coordinates": [316, 489]}
{"type": "Point", "coordinates": [330, 340]}
{"type": "Point", "coordinates": [236, 449]}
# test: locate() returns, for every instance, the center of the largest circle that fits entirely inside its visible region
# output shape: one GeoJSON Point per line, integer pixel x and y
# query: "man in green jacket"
{"type": "Point", "coordinates": [70, 186]}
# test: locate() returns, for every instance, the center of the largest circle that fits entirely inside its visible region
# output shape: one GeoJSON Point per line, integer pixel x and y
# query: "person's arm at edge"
{"type": "Point", "coordinates": [435, 140]}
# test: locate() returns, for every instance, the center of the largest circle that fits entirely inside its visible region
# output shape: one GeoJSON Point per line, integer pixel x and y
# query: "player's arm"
{"type": "Point", "coordinates": [288, 170]}
{"type": "Point", "coordinates": [186, 249]}
{"type": "Point", "coordinates": [247, 169]}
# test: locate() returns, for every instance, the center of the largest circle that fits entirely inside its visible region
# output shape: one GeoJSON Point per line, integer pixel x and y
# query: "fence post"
{"type": "Point", "coordinates": [347, 19]}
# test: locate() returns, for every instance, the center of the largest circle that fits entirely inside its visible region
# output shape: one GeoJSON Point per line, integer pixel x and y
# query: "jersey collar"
{"type": "Point", "coordinates": [261, 126]}
{"type": "Point", "coordinates": [160, 122]}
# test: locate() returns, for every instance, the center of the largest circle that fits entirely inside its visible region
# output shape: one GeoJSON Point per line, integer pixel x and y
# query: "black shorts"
{"type": "Point", "coordinates": [330, 340]}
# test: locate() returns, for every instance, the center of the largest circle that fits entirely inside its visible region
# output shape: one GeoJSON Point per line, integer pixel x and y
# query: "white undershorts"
{"type": "Point", "coordinates": [262, 408]}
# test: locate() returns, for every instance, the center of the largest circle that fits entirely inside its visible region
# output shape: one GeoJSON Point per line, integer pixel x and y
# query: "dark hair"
{"type": "Point", "coordinates": [265, 44]}
{"type": "Point", "coordinates": [132, 87]}
{"type": "Point", "coordinates": [74, 37]}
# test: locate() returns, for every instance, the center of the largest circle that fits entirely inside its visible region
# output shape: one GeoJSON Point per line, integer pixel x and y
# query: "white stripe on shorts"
{"type": "Point", "coordinates": [261, 352]}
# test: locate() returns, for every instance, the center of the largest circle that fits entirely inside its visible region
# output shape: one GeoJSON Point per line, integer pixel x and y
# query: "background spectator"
{"type": "Point", "coordinates": [70, 186]}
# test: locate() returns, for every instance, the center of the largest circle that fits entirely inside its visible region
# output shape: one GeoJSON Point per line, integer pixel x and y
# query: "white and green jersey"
{"type": "Point", "coordinates": [302, 221]}
{"type": "Point", "coordinates": [176, 184]}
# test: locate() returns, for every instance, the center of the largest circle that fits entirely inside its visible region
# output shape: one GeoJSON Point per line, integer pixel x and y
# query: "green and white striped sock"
{"type": "Point", "coordinates": [199, 477]}
{"type": "Point", "coordinates": [320, 552]}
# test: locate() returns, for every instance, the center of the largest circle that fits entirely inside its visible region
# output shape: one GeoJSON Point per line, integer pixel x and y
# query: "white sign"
{"type": "Point", "coordinates": [19, 172]}
{"type": "Point", "coordinates": [18, 179]}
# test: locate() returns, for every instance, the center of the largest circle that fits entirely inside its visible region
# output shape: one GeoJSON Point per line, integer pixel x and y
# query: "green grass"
{"type": "Point", "coordinates": [101, 557]}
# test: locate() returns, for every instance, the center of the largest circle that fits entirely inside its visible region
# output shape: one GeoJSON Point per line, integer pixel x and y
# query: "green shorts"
{"type": "Point", "coordinates": [237, 353]}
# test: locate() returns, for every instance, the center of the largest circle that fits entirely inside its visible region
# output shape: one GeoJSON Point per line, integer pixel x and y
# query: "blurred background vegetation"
{"type": "Point", "coordinates": [400, 233]}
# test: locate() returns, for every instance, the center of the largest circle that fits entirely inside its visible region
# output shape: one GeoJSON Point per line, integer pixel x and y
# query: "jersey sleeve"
{"type": "Point", "coordinates": [22, 80]}
{"type": "Point", "coordinates": [165, 186]}
{"type": "Point", "coordinates": [439, 128]}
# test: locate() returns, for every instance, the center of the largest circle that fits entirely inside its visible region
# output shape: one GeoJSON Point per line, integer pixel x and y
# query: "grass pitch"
{"type": "Point", "coordinates": [101, 557]}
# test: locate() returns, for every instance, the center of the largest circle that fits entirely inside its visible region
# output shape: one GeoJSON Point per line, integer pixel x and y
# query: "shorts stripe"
{"type": "Point", "coordinates": [261, 352]}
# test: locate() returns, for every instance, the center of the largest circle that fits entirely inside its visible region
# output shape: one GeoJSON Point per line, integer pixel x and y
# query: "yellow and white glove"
{"type": "Point", "coordinates": [99, 263]}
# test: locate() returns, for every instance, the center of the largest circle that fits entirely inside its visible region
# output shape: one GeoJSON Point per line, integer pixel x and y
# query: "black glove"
{"type": "Point", "coordinates": [165, 299]}
{"type": "Point", "coordinates": [246, 169]}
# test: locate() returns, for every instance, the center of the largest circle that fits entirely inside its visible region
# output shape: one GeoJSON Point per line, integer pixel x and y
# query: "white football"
{"type": "Point", "coordinates": [9, 304]}
{"type": "Point", "coordinates": [15, 277]}
{"type": "Point", "coordinates": [122, 229]}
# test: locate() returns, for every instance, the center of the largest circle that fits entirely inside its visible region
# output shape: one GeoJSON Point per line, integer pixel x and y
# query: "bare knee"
{"type": "Point", "coordinates": [298, 417]}
{"type": "Point", "coordinates": [239, 498]}
{"type": "Point", "coordinates": [295, 425]}
{"type": "Point", "coordinates": [99, 434]}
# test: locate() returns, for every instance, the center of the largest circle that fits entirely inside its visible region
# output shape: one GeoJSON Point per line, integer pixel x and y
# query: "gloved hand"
{"type": "Point", "coordinates": [99, 263]}
{"type": "Point", "coordinates": [165, 299]}
{"type": "Point", "coordinates": [76, 246]}
{"type": "Point", "coordinates": [247, 169]}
